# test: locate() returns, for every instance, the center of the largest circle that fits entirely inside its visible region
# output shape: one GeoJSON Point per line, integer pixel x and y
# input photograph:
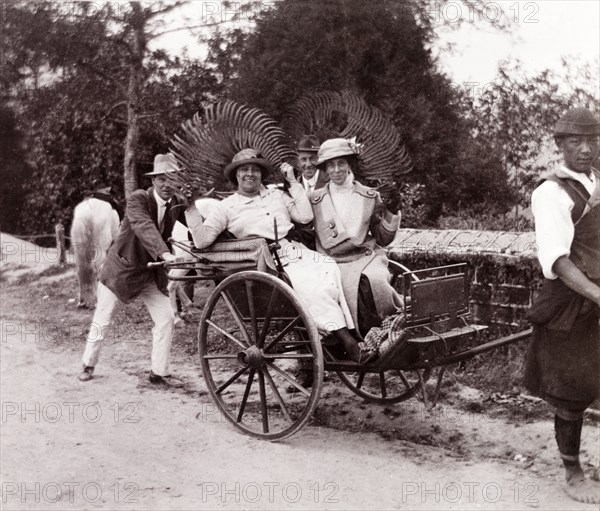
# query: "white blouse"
{"type": "Point", "coordinates": [252, 216]}
{"type": "Point", "coordinates": [554, 229]}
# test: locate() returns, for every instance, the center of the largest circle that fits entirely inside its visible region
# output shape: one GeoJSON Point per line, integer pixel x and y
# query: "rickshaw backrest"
{"type": "Point", "coordinates": [238, 254]}
{"type": "Point", "coordinates": [439, 297]}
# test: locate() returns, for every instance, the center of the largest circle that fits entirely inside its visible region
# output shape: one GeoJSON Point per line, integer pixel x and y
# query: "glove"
{"type": "Point", "coordinates": [288, 172]}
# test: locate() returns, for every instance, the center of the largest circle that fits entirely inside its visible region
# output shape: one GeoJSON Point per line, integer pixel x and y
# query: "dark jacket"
{"type": "Point", "coordinates": [139, 242]}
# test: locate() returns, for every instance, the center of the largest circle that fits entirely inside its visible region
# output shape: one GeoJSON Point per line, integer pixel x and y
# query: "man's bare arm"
{"type": "Point", "coordinates": [576, 280]}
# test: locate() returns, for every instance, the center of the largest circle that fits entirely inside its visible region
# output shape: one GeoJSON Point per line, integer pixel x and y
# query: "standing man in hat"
{"type": "Point", "coordinates": [310, 177]}
{"type": "Point", "coordinates": [563, 365]}
{"type": "Point", "coordinates": [149, 219]}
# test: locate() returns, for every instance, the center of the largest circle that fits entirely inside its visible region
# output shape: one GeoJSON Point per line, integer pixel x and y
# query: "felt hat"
{"type": "Point", "coordinates": [104, 191]}
{"type": "Point", "coordinates": [577, 121]}
{"type": "Point", "coordinates": [244, 157]}
{"type": "Point", "coordinates": [164, 164]}
{"type": "Point", "coordinates": [308, 144]}
{"type": "Point", "coordinates": [336, 148]}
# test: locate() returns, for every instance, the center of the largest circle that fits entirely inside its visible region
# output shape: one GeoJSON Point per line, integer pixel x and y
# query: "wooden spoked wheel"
{"type": "Point", "coordinates": [254, 336]}
{"type": "Point", "coordinates": [392, 385]}
{"type": "Point", "coordinates": [387, 387]}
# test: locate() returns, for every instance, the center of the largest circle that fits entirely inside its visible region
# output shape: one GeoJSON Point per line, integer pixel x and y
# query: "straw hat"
{"type": "Point", "coordinates": [336, 148]}
{"type": "Point", "coordinates": [244, 157]}
{"type": "Point", "coordinates": [164, 164]}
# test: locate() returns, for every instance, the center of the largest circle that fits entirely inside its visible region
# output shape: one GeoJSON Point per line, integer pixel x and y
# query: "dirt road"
{"type": "Point", "coordinates": [118, 443]}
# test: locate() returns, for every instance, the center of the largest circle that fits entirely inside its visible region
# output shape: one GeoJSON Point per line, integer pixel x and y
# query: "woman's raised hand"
{"type": "Point", "coordinates": [195, 190]}
{"type": "Point", "coordinates": [288, 172]}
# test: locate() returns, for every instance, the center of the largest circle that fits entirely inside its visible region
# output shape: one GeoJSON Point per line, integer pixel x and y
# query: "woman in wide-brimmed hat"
{"type": "Point", "coordinates": [251, 211]}
{"type": "Point", "coordinates": [351, 226]}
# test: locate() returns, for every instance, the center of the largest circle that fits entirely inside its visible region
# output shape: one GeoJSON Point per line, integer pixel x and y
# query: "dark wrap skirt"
{"type": "Point", "coordinates": [563, 362]}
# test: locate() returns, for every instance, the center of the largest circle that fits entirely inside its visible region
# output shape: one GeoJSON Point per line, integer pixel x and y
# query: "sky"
{"type": "Point", "coordinates": [542, 32]}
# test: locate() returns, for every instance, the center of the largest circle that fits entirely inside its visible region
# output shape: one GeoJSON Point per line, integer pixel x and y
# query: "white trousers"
{"type": "Point", "coordinates": [160, 310]}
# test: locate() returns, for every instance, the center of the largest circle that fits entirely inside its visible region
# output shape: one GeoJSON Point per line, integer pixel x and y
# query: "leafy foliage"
{"type": "Point", "coordinates": [87, 104]}
{"type": "Point", "coordinates": [379, 51]}
{"type": "Point", "coordinates": [207, 143]}
{"type": "Point", "coordinates": [70, 85]}
{"type": "Point", "coordinates": [513, 117]}
{"type": "Point", "coordinates": [383, 160]}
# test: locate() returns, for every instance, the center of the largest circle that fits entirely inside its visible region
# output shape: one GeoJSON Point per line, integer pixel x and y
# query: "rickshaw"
{"type": "Point", "coordinates": [254, 331]}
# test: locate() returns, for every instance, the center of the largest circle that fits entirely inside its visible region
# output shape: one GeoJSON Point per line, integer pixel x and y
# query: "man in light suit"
{"type": "Point", "coordinates": [149, 219]}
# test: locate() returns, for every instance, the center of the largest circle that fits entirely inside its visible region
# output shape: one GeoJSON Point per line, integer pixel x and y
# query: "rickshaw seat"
{"type": "Point", "coordinates": [233, 254]}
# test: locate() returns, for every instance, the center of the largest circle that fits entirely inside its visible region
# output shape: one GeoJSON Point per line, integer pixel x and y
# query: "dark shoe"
{"type": "Point", "coordinates": [87, 374]}
{"type": "Point", "coordinates": [166, 381]}
{"type": "Point", "coordinates": [367, 357]}
{"type": "Point", "coordinates": [349, 342]}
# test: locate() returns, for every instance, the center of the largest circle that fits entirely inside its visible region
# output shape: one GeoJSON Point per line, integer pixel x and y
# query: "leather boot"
{"type": "Point", "coordinates": [349, 342]}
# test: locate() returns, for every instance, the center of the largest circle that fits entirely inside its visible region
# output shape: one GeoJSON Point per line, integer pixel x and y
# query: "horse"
{"type": "Point", "coordinates": [95, 224]}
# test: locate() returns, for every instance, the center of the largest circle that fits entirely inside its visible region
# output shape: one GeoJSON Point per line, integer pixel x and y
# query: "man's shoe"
{"type": "Point", "coordinates": [165, 381]}
{"type": "Point", "coordinates": [87, 374]}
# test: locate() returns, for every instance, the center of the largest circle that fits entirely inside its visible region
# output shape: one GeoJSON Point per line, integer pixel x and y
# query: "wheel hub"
{"type": "Point", "coordinates": [252, 357]}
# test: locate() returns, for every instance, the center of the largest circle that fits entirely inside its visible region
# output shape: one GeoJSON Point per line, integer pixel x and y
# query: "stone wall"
{"type": "Point", "coordinates": [502, 268]}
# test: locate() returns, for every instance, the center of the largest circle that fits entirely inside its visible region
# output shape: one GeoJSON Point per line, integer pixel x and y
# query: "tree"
{"type": "Point", "coordinates": [15, 171]}
{"type": "Point", "coordinates": [91, 115]}
{"type": "Point", "coordinates": [379, 50]}
{"type": "Point", "coordinates": [109, 42]}
{"type": "Point", "coordinates": [513, 116]}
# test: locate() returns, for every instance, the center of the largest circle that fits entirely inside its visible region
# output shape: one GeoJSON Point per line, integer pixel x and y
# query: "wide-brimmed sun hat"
{"type": "Point", "coordinates": [577, 121]}
{"type": "Point", "coordinates": [336, 148]}
{"type": "Point", "coordinates": [164, 164]}
{"type": "Point", "coordinates": [244, 157]}
{"type": "Point", "coordinates": [308, 144]}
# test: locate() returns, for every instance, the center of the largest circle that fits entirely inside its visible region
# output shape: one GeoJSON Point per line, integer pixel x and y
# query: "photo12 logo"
{"type": "Point", "coordinates": [70, 412]}
{"type": "Point", "coordinates": [73, 492]}
{"type": "Point", "coordinates": [269, 491]}
{"type": "Point", "coordinates": [468, 492]}
{"type": "Point", "coordinates": [493, 13]}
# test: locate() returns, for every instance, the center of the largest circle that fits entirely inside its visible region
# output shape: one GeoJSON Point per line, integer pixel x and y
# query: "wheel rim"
{"type": "Point", "coordinates": [387, 387]}
{"type": "Point", "coordinates": [253, 334]}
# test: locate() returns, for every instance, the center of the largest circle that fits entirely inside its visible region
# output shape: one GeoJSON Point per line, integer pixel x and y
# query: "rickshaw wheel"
{"type": "Point", "coordinates": [386, 387]}
{"type": "Point", "coordinates": [392, 385]}
{"type": "Point", "coordinates": [253, 334]}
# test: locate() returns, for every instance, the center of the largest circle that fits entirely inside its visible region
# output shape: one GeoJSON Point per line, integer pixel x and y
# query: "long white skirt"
{"type": "Point", "coordinates": [318, 282]}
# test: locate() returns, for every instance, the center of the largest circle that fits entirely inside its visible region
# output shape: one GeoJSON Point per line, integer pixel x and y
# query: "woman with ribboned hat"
{"type": "Point", "coordinates": [351, 225]}
{"type": "Point", "coordinates": [251, 211]}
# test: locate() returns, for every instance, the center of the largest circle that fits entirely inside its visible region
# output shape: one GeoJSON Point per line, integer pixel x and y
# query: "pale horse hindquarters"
{"type": "Point", "coordinates": [95, 224]}
{"type": "Point", "coordinates": [180, 233]}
